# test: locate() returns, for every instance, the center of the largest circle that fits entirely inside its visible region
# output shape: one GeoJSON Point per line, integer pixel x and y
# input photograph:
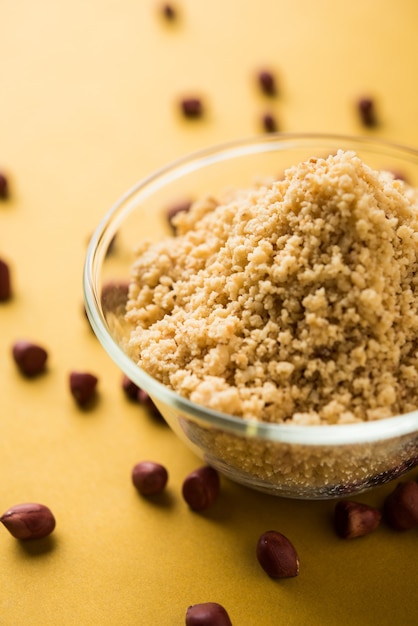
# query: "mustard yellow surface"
{"type": "Point", "coordinates": [88, 105]}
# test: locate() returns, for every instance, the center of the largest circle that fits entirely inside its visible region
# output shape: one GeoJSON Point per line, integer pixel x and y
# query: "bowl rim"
{"type": "Point", "coordinates": [318, 435]}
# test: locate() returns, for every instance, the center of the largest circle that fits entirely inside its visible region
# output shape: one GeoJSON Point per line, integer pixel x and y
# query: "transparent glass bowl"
{"type": "Point", "coordinates": [287, 460]}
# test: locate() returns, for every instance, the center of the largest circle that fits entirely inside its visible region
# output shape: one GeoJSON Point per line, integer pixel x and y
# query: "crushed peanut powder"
{"type": "Point", "coordinates": [291, 301]}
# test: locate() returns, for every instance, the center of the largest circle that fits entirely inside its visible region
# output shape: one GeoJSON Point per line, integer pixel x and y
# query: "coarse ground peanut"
{"type": "Point", "coordinates": [291, 301]}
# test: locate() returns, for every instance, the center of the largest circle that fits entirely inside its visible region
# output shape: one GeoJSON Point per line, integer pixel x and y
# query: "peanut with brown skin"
{"type": "Point", "coordinates": [192, 107]}
{"type": "Point", "coordinates": [29, 357]}
{"type": "Point", "coordinates": [83, 387]}
{"type": "Point", "coordinates": [207, 614]}
{"type": "Point", "coordinates": [130, 388]}
{"type": "Point", "coordinates": [267, 82]}
{"type": "Point", "coordinates": [4, 187]}
{"type": "Point", "coordinates": [201, 488]}
{"type": "Point", "coordinates": [269, 123]}
{"type": "Point", "coordinates": [169, 11]}
{"type": "Point", "coordinates": [5, 281]}
{"type": "Point", "coordinates": [114, 296]}
{"type": "Point", "coordinates": [149, 478]}
{"type": "Point", "coordinates": [367, 111]}
{"type": "Point", "coordinates": [29, 521]}
{"type": "Point", "coordinates": [400, 508]}
{"type": "Point", "coordinates": [277, 555]}
{"type": "Point", "coordinates": [146, 401]}
{"type": "Point", "coordinates": [355, 519]}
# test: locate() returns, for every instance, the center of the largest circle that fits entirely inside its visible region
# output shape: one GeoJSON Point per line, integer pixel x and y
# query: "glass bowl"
{"type": "Point", "coordinates": [309, 462]}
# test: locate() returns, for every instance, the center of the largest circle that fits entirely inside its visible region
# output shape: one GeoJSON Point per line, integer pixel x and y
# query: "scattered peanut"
{"type": "Point", "coordinates": [146, 401]}
{"type": "Point", "coordinates": [83, 387]}
{"type": "Point", "coordinates": [367, 111]}
{"type": "Point", "coordinates": [5, 281]}
{"type": "Point", "coordinates": [29, 357]}
{"type": "Point", "coordinates": [400, 508]}
{"type": "Point", "coordinates": [269, 123]}
{"type": "Point", "coordinates": [130, 388]}
{"type": "Point", "coordinates": [201, 488]}
{"type": "Point", "coordinates": [207, 614]}
{"type": "Point", "coordinates": [149, 478]}
{"type": "Point", "coordinates": [114, 296]}
{"type": "Point", "coordinates": [4, 187]}
{"type": "Point", "coordinates": [277, 555]}
{"type": "Point", "coordinates": [169, 11]}
{"type": "Point", "coordinates": [192, 107]}
{"type": "Point", "coordinates": [29, 521]}
{"type": "Point", "coordinates": [267, 82]}
{"type": "Point", "coordinates": [355, 519]}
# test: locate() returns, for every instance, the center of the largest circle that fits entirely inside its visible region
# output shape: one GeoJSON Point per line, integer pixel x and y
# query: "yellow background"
{"type": "Point", "coordinates": [88, 105]}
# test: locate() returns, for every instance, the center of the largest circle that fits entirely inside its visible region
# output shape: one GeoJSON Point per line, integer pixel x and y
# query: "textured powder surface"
{"type": "Point", "coordinates": [292, 301]}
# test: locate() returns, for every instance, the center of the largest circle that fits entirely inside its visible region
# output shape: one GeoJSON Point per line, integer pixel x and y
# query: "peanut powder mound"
{"type": "Point", "coordinates": [292, 301]}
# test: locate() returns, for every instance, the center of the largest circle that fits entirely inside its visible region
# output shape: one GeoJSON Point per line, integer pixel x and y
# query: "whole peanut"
{"type": "Point", "coordinates": [28, 521]}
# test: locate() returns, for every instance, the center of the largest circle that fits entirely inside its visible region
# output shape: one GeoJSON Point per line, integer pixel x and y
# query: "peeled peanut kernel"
{"type": "Point", "coordinates": [207, 614]}
{"type": "Point", "coordinates": [29, 357]}
{"type": "Point", "coordinates": [149, 478]}
{"type": "Point", "coordinates": [29, 521]}
{"type": "Point", "coordinates": [355, 519]}
{"type": "Point", "coordinates": [400, 508]}
{"type": "Point", "coordinates": [277, 555]}
{"type": "Point", "coordinates": [201, 488]}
